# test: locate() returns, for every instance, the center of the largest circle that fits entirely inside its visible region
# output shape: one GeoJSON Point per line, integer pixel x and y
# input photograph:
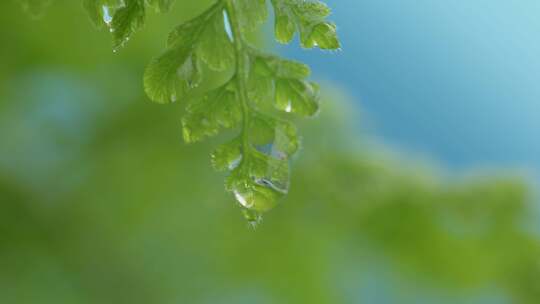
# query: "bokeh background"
{"type": "Point", "coordinates": [456, 81]}
{"type": "Point", "coordinates": [417, 183]}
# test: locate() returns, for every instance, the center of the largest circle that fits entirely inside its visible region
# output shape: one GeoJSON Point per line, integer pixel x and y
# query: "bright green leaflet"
{"type": "Point", "coordinates": [249, 103]}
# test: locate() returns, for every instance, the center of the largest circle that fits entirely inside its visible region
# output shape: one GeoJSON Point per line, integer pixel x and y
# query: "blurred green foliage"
{"type": "Point", "coordinates": [101, 202]}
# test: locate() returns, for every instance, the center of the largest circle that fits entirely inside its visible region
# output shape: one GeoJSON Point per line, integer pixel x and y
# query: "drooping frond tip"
{"type": "Point", "coordinates": [258, 155]}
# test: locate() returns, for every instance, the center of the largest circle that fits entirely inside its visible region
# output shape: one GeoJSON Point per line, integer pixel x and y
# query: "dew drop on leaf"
{"type": "Point", "coordinates": [244, 200]}
{"type": "Point", "coordinates": [288, 109]}
{"type": "Point", "coordinates": [107, 18]}
{"type": "Point", "coordinates": [235, 163]}
{"type": "Point", "coordinates": [274, 186]}
{"type": "Point", "coordinates": [227, 25]}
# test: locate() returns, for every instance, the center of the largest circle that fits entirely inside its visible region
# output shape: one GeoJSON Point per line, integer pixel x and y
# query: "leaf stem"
{"type": "Point", "coordinates": [242, 68]}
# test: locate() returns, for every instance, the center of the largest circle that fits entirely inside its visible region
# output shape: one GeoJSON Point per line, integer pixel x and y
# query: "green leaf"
{"type": "Point", "coordinates": [276, 137]}
{"type": "Point", "coordinates": [284, 82]}
{"type": "Point", "coordinates": [173, 74]}
{"type": "Point", "coordinates": [218, 109]}
{"type": "Point", "coordinates": [258, 159]}
{"type": "Point", "coordinates": [122, 17]}
{"type": "Point", "coordinates": [297, 96]}
{"type": "Point", "coordinates": [251, 13]}
{"type": "Point", "coordinates": [214, 45]}
{"type": "Point", "coordinates": [227, 156]}
{"type": "Point", "coordinates": [126, 21]}
{"type": "Point", "coordinates": [308, 18]}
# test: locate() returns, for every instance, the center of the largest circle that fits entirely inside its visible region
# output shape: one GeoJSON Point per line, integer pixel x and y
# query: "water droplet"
{"type": "Point", "coordinates": [243, 200]}
{"type": "Point", "coordinates": [260, 196]}
{"type": "Point", "coordinates": [173, 97]}
{"type": "Point", "coordinates": [227, 25]}
{"type": "Point", "coordinates": [272, 150]}
{"type": "Point", "coordinates": [272, 185]}
{"type": "Point", "coordinates": [188, 72]}
{"type": "Point", "coordinates": [288, 109]}
{"type": "Point", "coordinates": [107, 17]}
{"type": "Point", "coordinates": [235, 163]}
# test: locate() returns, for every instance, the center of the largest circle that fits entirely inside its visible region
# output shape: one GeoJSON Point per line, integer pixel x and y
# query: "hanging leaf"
{"type": "Point", "coordinates": [258, 158]}
{"type": "Point", "coordinates": [123, 18]}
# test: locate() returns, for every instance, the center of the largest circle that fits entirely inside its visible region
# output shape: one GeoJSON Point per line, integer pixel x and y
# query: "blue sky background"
{"type": "Point", "coordinates": [457, 81]}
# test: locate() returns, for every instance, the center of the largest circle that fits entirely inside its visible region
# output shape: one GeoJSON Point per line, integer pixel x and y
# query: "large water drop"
{"type": "Point", "coordinates": [244, 200]}
{"type": "Point", "coordinates": [259, 195]}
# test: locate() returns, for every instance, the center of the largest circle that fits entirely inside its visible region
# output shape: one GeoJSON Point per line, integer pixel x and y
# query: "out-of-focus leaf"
{"type": "Point", "coordinates": [123, 18]}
